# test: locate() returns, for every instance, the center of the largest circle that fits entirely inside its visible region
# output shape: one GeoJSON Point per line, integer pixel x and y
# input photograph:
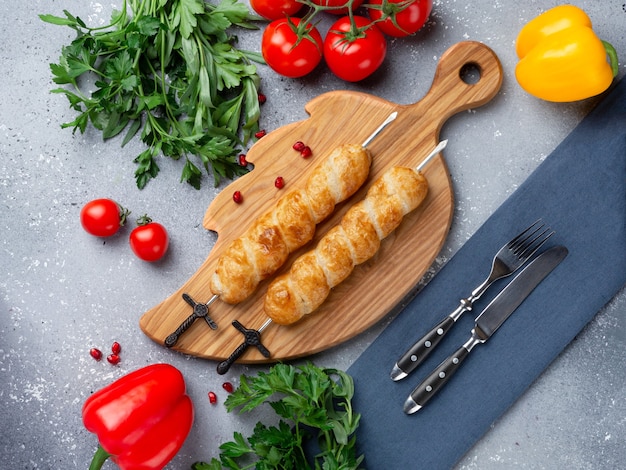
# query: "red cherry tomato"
{"type": "Point", "coordinates": [338, 3]}
{"type": "Point", "coordinates": [149, 241]}
{"type": "Point", "coordinates": [275, 9]}
{"type": "Point", "coordinates": [287, 54]}
{"type": "Point", "coordinates": [357, 59]}
{"type": "Point", "coordinates": [102, 217]}
{"type": "Point", "coordinates": [406, 17]}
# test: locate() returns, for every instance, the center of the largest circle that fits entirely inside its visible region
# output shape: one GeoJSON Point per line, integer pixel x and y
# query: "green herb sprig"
{"type": "Point", "coordinates": [313, 402]}
{"type": "Point", "coordinates": [169, 70]}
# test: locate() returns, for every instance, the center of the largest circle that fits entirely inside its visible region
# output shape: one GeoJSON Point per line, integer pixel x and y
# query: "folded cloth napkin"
{"type": "Point", "coordinates": [580, 191]}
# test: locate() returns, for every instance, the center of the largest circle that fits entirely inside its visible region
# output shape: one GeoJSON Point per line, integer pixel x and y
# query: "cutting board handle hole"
{"type": "Point", "coordinates": [470, 73]}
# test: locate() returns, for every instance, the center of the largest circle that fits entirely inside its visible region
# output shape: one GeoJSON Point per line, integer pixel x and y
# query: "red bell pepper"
{"type": "Point", "coordinates": [141, 420]}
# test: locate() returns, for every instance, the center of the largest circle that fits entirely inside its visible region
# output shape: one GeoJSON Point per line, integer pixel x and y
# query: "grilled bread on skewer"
{"type": "Point", "coordinates": [355, 240]}
{"type": "Point", "coordinates": [289, 225]}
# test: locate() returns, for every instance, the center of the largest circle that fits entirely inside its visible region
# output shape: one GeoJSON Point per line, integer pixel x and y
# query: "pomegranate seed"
{"type": "Point", "coordinates": [212, 398]}
{"type": "Point", "coordinates": [116, 348]}
{"type": "Point", "coordinates": [228, 387]}
{"type": "Point", "coordinates": [242, 159]}
{"type": "Point", "coordinates": [299, 146]}
{"type": "Point", "coordinates": [262, 98]}
{"type": "Point", "coordinates": [306, 152]}
{"type": "Point", "coordinates": [279, 182]}
{"type": "Point", "coordinates": [238, 197]}
{"type": "Point", "coordinates": [95, 353]}
{"type": "Point", "coordinates": [113, 359]}
{"type": "Point", "coordinates": [260, 134]}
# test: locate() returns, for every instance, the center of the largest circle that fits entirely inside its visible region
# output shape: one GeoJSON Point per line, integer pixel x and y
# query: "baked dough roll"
{"type": "Point", "coordinates": [290, 224]}
{"type": "Point", "coordinates": [356, 239]}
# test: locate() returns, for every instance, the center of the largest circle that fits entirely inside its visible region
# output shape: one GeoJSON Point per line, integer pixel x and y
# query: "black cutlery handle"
{"type": "Point", "coordinates": [417, 353]}
{"type": "Point", "coordinates": [433, 383]}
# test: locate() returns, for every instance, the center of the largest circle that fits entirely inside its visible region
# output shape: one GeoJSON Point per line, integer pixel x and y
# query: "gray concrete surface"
{"type": "Point", "coordinates": [63, 291]}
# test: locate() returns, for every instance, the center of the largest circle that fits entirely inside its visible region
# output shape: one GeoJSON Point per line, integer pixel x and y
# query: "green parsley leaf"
{"type": "Point", "coordinates": [312, 402]}
{"type": "Point", "coordinates": [184, 16]}
{"type": "Point", "coordinates": [213, 465]}
{"type": "Point", "coordinates": [167, 71]}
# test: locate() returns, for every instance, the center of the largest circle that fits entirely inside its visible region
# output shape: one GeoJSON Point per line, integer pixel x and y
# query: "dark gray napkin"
{"type": "Point", "coordinates": [580, 191]}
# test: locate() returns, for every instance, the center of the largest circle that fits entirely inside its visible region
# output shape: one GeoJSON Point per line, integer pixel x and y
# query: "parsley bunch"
{"type": "Point", "coordinates": [169, 69]}
{"type": "Point", "coordinates": [315, 402]}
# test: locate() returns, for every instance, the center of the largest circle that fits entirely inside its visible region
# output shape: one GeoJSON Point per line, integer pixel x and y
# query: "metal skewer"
{"type": "Point", "coordinates": [253, 337]}
{"type": "Point", "coordinates": [392, 117]}
{"type": "Point", "coordinates": [202, 310]}
{"type": "Point", "coordinates": [440, 146]}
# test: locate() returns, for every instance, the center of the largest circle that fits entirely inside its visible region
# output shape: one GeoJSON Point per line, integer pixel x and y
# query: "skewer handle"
{"type": "Point", "coordinates": [251, 338]}
{"type": "Point", "coordinates": [199, 311]}
{"type": "Point", "coordinates": [184, 326]}
{"type": "Point", "coordinates": [224, 366]}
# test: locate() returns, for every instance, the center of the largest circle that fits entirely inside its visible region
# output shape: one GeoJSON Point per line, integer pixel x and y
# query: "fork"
{"type": "Point", "coordinates": [506, 261]}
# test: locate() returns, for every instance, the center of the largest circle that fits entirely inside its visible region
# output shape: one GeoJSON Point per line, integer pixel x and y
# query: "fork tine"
{"type": "Point", "coordinates": [530, 240]}
{"type": "Point", "coordinates": [525, 234]}
{"type": "Point", "coordinates": [533, 245]}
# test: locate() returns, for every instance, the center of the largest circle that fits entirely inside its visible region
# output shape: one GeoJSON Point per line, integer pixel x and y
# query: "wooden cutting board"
{"type": "Point", "coordinates": [378, 285]}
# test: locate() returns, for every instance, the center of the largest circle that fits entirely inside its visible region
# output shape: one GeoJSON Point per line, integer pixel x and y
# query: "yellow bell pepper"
{"type": "Point", "coordinates": [562, 59]}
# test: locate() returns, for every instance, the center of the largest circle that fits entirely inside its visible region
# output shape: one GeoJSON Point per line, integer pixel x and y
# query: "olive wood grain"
{"type": "Point", "coordinates": [375, 287]}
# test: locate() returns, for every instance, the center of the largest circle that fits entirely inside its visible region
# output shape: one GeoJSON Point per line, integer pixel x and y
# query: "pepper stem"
{"type": "Point", "coordinates": [99, 458]}
{"type": "Point", "coordinates": [612, 54]}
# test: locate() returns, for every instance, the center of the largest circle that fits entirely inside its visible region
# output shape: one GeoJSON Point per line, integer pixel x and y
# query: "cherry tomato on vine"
{"type": "Point", "coordinates": [287, 53]}
{"type": "Point", "coordinates": [102, 217]}
{"type": "Point", "coordinates": [275, 9]}
{"type": "Point", "coordinates": [149, 241]}
{"type": "Point", "coordinates": [353, 57]}
{"type": "Point", "coordinates": [406, 17]}
{"type": "Point", "coordinates": [339, 3]}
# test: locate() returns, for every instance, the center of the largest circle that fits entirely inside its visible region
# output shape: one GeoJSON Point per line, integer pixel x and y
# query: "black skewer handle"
{"type": "Point", "coordinates": [224, 366]}
{"type": "Point", "coordinates": [200, 310]}
{"type": "Point", "coordinates": [184, 326]}
{"type": "Point", "coordinates": [251, 338]}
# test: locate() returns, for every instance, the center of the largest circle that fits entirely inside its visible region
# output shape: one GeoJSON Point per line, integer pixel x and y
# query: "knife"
{"type": "Point", "coordinates": [490, 319]}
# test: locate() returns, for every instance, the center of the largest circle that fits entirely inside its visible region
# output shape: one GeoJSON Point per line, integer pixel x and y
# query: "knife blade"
{"type": "Point", "coordinates": [487, 323]}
